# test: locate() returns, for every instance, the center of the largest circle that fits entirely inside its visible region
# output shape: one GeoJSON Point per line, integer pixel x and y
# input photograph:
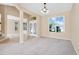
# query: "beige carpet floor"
{"type": "Point", "coordinates": [39, 46]}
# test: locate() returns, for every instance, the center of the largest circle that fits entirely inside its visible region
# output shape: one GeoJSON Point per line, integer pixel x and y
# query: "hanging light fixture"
{"type": "Point", "coordinates": [45, 10]}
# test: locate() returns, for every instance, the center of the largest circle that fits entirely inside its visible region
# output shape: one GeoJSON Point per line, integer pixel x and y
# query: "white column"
{"type": "Point", "coordinates": [21, 27]}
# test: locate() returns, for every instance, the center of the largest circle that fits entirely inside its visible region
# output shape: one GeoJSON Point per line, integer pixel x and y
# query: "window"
{"type": "Point", "coordinates": [56, 24]}
{"type": "Point", "coordinates": [24, 26]}
{"type": "Point", "coordinates": [16, 26]}
{"type": "Point", "coordinates": [33, 27]}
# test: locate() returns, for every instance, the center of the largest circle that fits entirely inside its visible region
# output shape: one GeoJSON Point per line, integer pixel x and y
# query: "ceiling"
{"type": "Point", "coordinates": [53, 7]}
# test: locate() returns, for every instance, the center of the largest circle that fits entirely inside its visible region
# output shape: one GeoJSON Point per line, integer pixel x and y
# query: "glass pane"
{"type": "Point", "coordinates": [24, 26]}
{"type": "Point", "coordinates": [56, 24]}
{"type": "Point", "coordinates": [16, 26]}
{"type": "Point", "coordinates": [34, 28]}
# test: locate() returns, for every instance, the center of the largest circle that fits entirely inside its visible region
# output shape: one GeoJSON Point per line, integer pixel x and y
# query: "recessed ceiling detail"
{"type": "Point", "coordinates": [53, 7]}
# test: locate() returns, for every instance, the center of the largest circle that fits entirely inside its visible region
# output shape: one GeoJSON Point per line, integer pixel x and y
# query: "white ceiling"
{"type": "Point", "coordinates": [53, 7]}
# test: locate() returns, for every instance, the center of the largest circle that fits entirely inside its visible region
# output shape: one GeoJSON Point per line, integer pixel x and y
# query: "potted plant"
{"type": "Point", "coordinates": [33, 18]}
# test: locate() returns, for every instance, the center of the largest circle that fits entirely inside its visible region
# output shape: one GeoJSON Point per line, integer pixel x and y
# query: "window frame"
{"type": "Point", "coordinates": [55, 26]}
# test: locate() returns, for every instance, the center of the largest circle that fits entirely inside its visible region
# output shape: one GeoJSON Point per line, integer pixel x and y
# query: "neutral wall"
{"type": "Point", "coordinates": [45, 30]}
{"type": "Point", "coordinates": [11, 10]}
{"type": "Point", "coordinates": [75, 26]}
{"type": "Point", "coordinates": [2, 11]}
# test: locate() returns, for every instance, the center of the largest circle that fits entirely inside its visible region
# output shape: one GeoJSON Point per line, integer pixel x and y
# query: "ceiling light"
{"type": "Point", "coordinates": [45, 10]}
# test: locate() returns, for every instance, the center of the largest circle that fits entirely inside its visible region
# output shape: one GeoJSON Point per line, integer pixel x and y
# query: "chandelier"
{"type": "Point", "coordinates": [44, 10]}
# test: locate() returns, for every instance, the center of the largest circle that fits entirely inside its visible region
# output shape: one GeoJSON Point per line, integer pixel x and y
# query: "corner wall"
{"type": "Point", "coordinates": [75, 26]}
